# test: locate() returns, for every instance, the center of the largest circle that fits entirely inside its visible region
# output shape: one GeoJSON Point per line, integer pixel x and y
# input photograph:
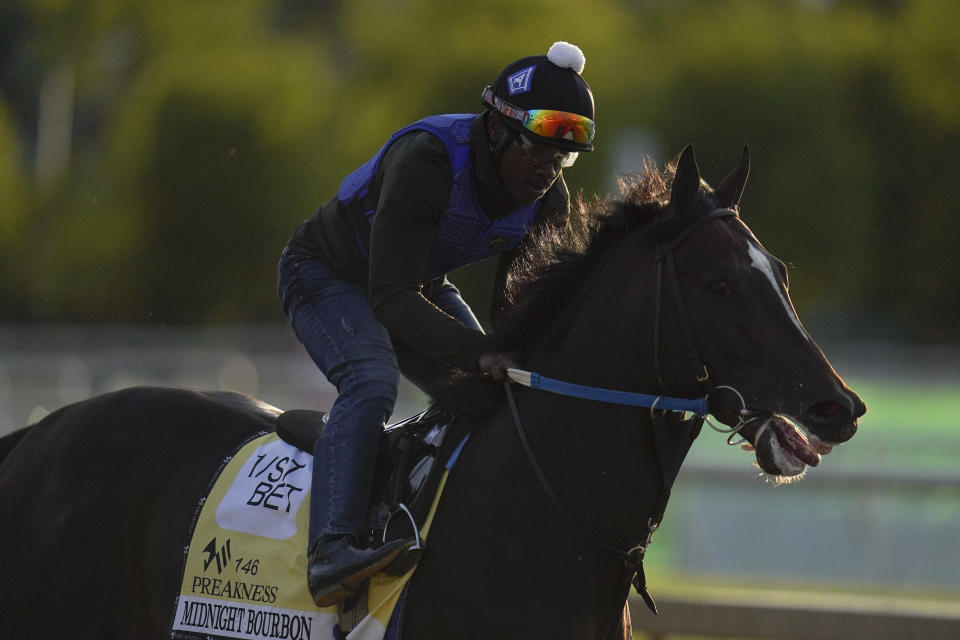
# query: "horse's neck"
{"type": "Point", "coordinates": [518, 543]}
{"type": "Point", "coordinates": [605, 340]}
{"type": "Point", "coordinates": [604, 337]}
{"type": "Point", "coordinates": [598, 459]}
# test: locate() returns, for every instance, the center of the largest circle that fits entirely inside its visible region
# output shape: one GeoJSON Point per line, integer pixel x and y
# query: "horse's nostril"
{"type": "Point", "coordinates": [832, 421]}
{"type": "Point", "coordinates": [847, 406]}
{"type": "Point", "coordinates": [827, 409]}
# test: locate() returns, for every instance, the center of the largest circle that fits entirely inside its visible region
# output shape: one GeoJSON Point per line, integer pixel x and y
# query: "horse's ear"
{"type": "Point", "coordinates": [686, 180]}
{"type": "Point", "coordinates": [729, 192]}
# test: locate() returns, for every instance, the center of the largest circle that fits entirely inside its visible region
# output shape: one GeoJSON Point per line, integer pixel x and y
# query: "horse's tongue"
{"type": "Point", "coordinates": [793, 441]}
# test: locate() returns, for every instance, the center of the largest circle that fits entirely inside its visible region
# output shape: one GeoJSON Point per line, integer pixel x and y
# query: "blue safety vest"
{"type": "Point", "coordinates": [464, 233]}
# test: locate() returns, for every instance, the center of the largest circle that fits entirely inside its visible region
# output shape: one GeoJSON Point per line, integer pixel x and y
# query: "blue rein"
{"type": "Point", "coordinates": [536, 381]}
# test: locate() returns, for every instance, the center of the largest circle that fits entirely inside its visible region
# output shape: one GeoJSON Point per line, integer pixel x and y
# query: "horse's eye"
{"type": "Point", "coordinates": [719, 287]}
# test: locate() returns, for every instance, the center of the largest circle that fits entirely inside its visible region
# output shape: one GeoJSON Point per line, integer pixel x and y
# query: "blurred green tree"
{"type": "Point", "coordinates": [15, 198]}
{"type": "Point", "coordinates": [202, 132]}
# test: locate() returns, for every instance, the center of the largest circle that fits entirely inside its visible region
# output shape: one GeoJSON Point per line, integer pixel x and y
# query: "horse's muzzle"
{"type": "Point", "coordinates": [834, 421]}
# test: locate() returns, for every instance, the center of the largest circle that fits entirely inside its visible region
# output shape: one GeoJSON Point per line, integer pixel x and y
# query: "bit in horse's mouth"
{"type": "Point", "coordinates": [784, 447]}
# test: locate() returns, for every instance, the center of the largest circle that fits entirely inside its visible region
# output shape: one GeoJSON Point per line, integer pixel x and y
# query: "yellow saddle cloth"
{"type": "Point", "coordinates": [245, 569]}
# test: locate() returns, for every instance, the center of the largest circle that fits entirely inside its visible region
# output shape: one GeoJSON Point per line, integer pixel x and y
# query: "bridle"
{"type": "Point", "coordinates": [666, 263]}
{"type": "Point", "coordinates": [666, 273]}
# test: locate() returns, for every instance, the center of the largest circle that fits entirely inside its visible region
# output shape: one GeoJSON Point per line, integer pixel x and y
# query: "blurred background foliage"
{"type": "Point", "coordinates": [154, 156]}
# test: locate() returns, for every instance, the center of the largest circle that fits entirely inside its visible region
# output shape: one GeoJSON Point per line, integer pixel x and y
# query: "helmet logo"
{"type": "Point", "coordinates": [519, 82]}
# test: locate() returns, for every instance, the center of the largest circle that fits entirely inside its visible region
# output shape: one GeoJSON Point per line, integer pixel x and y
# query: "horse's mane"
{"type": "Point", "coordinates": [551, 264]}
{"type": "Point", "coordinates": [554, 260]}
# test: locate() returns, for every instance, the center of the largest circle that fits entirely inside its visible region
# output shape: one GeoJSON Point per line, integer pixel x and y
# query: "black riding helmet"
{"type": "Point", "coordinates": [546, 99]}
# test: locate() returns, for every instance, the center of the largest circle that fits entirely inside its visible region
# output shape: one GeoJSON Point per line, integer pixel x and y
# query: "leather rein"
{"type": "Point", "coordinates": [633, 557]}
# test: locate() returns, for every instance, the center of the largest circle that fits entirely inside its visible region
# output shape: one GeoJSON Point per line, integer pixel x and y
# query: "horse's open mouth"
{"type": "Point", "coordinates": [784, 447]}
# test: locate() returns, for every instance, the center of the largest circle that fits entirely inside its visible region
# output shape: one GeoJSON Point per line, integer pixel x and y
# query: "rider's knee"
{"type": "Point", "coordinates": [377, 383]}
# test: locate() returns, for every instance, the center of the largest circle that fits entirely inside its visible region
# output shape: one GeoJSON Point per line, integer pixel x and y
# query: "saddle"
{"type": "Point", "coordinates": [410, 461]}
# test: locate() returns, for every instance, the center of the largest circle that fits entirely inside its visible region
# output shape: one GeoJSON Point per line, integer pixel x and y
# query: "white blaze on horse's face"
{"type": "Point", "coordinates": [762, 262]}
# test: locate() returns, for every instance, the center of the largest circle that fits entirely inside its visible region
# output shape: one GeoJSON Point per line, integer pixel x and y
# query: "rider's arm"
{"type": "Point", "coordinates": [415, 184]}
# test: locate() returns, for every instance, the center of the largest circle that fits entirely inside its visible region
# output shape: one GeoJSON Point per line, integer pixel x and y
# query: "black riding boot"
{"type": "Point", "coordinates": [337, 567]}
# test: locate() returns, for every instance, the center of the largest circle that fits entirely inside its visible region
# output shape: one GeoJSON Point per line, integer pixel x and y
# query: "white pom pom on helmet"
{"type": "Point", "coordinates": [566, 55]}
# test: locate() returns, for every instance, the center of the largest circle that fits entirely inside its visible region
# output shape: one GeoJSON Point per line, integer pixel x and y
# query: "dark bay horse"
{"type": "Point", "coordinates": [668, 292]}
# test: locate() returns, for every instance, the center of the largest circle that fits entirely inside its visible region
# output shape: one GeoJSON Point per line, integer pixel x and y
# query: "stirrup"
{"type": "Point", "coordinates": [407, 559]}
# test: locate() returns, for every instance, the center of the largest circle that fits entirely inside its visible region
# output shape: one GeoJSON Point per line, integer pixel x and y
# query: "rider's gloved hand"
{"type": "Point", "coordinates": [495, 363]}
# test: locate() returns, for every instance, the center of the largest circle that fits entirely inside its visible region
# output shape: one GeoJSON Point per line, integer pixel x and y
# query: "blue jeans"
{"type": "Point", "coordinates": [331, 317]}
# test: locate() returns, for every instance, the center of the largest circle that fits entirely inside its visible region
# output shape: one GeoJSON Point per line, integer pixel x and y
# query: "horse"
{"type": "Point", "coordinates": [554, 499]}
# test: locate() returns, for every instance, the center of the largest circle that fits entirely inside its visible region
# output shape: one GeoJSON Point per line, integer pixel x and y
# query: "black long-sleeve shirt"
{"type": "Point", "coordinates": [410, 192]}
